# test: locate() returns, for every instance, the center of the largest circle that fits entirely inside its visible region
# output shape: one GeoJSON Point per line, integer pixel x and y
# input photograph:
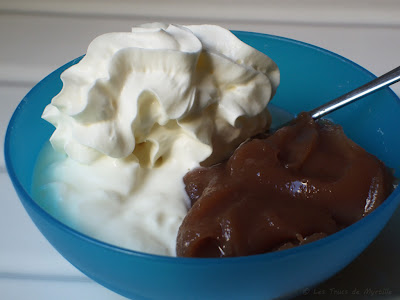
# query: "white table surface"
{"type": "Point", "coordinates": [31, 269]}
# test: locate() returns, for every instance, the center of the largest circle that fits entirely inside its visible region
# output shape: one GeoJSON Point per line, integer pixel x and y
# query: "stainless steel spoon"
{"type": "Point", "coordinates": [378, 83]}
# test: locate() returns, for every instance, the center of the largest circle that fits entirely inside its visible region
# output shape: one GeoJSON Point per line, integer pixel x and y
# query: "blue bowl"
{"type": "Point", "coordinates": [309, 77]}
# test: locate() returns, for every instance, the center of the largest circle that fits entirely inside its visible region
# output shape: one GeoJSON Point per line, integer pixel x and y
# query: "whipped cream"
{"type": "Point", "coordinates": [135, 114]}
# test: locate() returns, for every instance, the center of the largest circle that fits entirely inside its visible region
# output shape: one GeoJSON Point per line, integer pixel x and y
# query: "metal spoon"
{"type": "Point", "coordinates": [378, 83]}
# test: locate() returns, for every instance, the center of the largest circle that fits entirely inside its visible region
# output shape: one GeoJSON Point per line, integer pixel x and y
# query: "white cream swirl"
{"type": "Point", "coordinates": [130, 86]}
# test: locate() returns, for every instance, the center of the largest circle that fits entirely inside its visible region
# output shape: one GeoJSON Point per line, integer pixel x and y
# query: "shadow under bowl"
{"type": "Point", "coordinates": [309, 77]}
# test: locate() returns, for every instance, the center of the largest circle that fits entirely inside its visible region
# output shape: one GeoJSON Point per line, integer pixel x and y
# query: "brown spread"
{"type": "Point", "coordinates": [304, 182]}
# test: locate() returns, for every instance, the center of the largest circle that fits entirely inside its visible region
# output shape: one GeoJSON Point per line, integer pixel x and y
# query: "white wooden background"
{"type": "Point", "coordinates": [38, 36]}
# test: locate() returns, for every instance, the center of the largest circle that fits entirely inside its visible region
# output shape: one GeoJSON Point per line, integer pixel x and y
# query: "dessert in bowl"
{"type": "Point", "coordinates": [309, 76]}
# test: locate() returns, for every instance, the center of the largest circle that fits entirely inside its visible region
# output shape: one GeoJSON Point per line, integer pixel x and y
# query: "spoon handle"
{"type": "Point", "coordinates": [372, 86]}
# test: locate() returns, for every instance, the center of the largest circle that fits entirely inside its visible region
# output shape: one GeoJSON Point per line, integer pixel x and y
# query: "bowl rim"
{"type": "Point", "coordinates": [25, 198]}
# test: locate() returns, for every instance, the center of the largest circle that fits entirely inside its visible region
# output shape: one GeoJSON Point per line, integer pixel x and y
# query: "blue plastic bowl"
{"type": "Point", "coordinates": [309, 77]}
